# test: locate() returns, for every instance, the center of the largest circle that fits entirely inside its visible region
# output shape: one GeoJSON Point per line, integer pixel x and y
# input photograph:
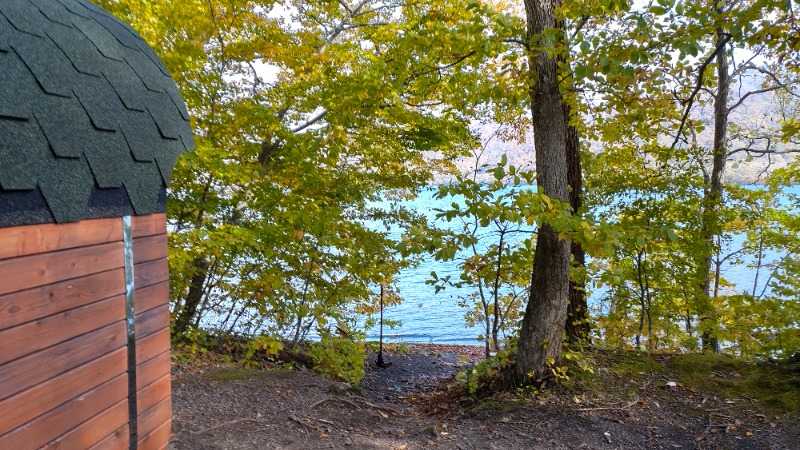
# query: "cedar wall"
{"type": "Point", "coordinates": [63, 343]}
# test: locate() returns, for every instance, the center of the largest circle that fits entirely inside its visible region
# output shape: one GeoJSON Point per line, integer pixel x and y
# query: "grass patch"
{"type": "Point", "coordinates": [634, 363]}
{"type": "Point", "coordinates": [774, 387]}
{"type": "Point", "coordinates": [495, 406]}
{"type": "Point", "coordinates": [232, 373]}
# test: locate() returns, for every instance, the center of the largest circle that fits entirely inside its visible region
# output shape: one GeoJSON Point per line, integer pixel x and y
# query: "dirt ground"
{"type": "Point", "coordinates": [405, 406]}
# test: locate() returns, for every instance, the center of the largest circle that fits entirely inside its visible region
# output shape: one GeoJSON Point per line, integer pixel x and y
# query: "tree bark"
{"type": "Point", "coordinates": [194, 297]}
{"type": "Point", "coordinates": [542, 330]}
{"type": "Point", "coordinates": [577, 324]}
{"type": "Point", "coordinates": [712, 200]}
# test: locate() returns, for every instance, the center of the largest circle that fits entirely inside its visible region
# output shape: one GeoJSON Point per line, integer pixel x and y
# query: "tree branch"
{"type": "Point", "coordinates": [699, 85]}
{"type": "Point", "coordinates": [521, 42]}
{"type": "Point", "coordinates": [759, 91]}
{"type": "Point", "coordinates": [310, 122]}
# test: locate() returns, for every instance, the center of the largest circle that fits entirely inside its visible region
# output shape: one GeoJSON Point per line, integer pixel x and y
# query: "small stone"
{"type": "Point", "coordinates": [432, 430]}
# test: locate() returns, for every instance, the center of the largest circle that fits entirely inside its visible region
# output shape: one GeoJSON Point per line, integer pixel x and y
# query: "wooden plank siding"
{"type": "Point", "coordinates": [152, 394]}
{"type": "Point", "coordinates": [152, 296]}
{"type": "Point", "coordinates": [150, 272]}
{"type": "Point", "coordinates": [93, 430]}
{"type": "Point", "coordinates": [65, 417]}
{"type": "Point", "coordinates": [27, 405]}
{"type": "Point", "coordinates": [28, 371]}
{"type": "Point", "coordinates": [153, 360]}
{"type": "Point", "coordinates": [149, 225]}
{"type": "Point", "coordinates": [151, 370]}
{"type": "Point", "coordinates": [153, 380]}
{"type": "Point", "coordinates": [158, 438]}
{"type": "Point", "coordinates": [51, 237]}
{"type": "Point", "coordinates": [47, 268]}
{"type": "Point", "coordinates": [63, 340]}
{"type": "Point", "coordinates": [33, 336]}
{"type": "Point", "coordinates": [151, 421]}
{"type": "Point", "coordinates": [152, 321]}
{"type": "Point", "coordinates": [118, 440]}
{"type": "Point", "coordinates": [43, 301]}
{"type": "Point", "coordinates": [149, 248]}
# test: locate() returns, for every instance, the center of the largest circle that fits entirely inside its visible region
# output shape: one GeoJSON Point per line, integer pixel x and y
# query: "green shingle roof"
{"type": "Point", "coordinates": [91, 123]}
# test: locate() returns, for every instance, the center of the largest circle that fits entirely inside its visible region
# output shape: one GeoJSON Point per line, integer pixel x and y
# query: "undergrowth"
{"type": "Point", "coordinates": [335, 357]}
{"type": "Point", "coordinates": [599, 375]}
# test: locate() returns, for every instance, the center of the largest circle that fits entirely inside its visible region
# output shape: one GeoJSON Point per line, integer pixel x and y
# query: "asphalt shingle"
{"type": "Point", "coordinates": [140, 186]}
{"type": "Point", "coordinates": [150, 75]}
{"type": "Point", "coordinates": [167, 117]}
{"type": "Point", "coordinates": [18, 87]}
{"type": "Point", "coordinates": [100, 101]}
{"type": "Point", "coordinates": [76, 7]}
{"type": "Point", "coordinates": [6, 34]}
{"type": "Point", "coordinates": [21, 151]}
{"type": "Point", "coordinates": [91, 123]}
{"type": "Point", "coordinates": [24, 17]}
{"type": "Point", "coordinates": [54, 11]}
{"type": "Point", "coordinates": [66, 126]}
{"type": "Point", "coordinates": [126, 83]}
{"type": "Point", "coordinates": [102, 39]}
{"type": "Point", "coordinates": [48, 63]}
{"type": "Point", "coordinates": [79, 49]}
{"type": "Point", "coordinates": [141, 132]}
{"type": "Point", "coordinates": [23, 208]}
{"type": "Point", "coordinates": [66, 185]}
{"type": "Point", "coordinates": [166, 160]}
{"type": "Point", "coordinates": [123, 32]}
{"type": "Point", "coordinates": [108, 158]}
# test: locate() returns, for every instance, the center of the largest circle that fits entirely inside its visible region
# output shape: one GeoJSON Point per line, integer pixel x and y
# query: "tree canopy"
{"type": "Point", "coordinates": [315, 120]}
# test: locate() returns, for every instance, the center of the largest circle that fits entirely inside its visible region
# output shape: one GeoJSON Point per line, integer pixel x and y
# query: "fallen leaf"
{"type": "Point", "coordinates": [385, 416]}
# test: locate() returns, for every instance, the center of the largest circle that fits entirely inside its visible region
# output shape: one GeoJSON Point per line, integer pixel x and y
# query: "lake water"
{"type": "Point", "coordinates": [429, 317]}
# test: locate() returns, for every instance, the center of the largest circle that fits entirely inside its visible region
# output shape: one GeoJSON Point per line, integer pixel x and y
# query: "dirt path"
{"type": "Point", "coordinates": [281, 409]}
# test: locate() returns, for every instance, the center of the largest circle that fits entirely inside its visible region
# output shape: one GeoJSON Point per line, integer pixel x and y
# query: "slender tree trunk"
{"type": "Point", "coordinates": [577, 325]}
{"type": "Point", "coordinates": [542, 330]}
{"type": "Point", "coordinates": [642, 298]}
{"type": "Point", "coordinates": [496, 295]}
{"type": "Point", "coordinates": [193, 298]}
{"type": "Point", "coordinates": [713, 198]}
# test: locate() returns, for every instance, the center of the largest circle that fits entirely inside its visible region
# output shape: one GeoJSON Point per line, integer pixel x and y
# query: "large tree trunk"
{"type": "Point", "coordinates": [542, 330]}
{"type": "Point", "coordinates": [577, 325]}
{"type": "Point", "coordinates": [712, 200]}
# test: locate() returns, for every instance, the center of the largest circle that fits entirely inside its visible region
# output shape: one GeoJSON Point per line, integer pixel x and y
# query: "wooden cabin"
{"type": "Point", "coordinates": [91, 124]}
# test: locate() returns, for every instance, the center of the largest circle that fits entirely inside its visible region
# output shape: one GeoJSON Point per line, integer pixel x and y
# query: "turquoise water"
{"type": "Point", "coordinates": [430, 317]}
